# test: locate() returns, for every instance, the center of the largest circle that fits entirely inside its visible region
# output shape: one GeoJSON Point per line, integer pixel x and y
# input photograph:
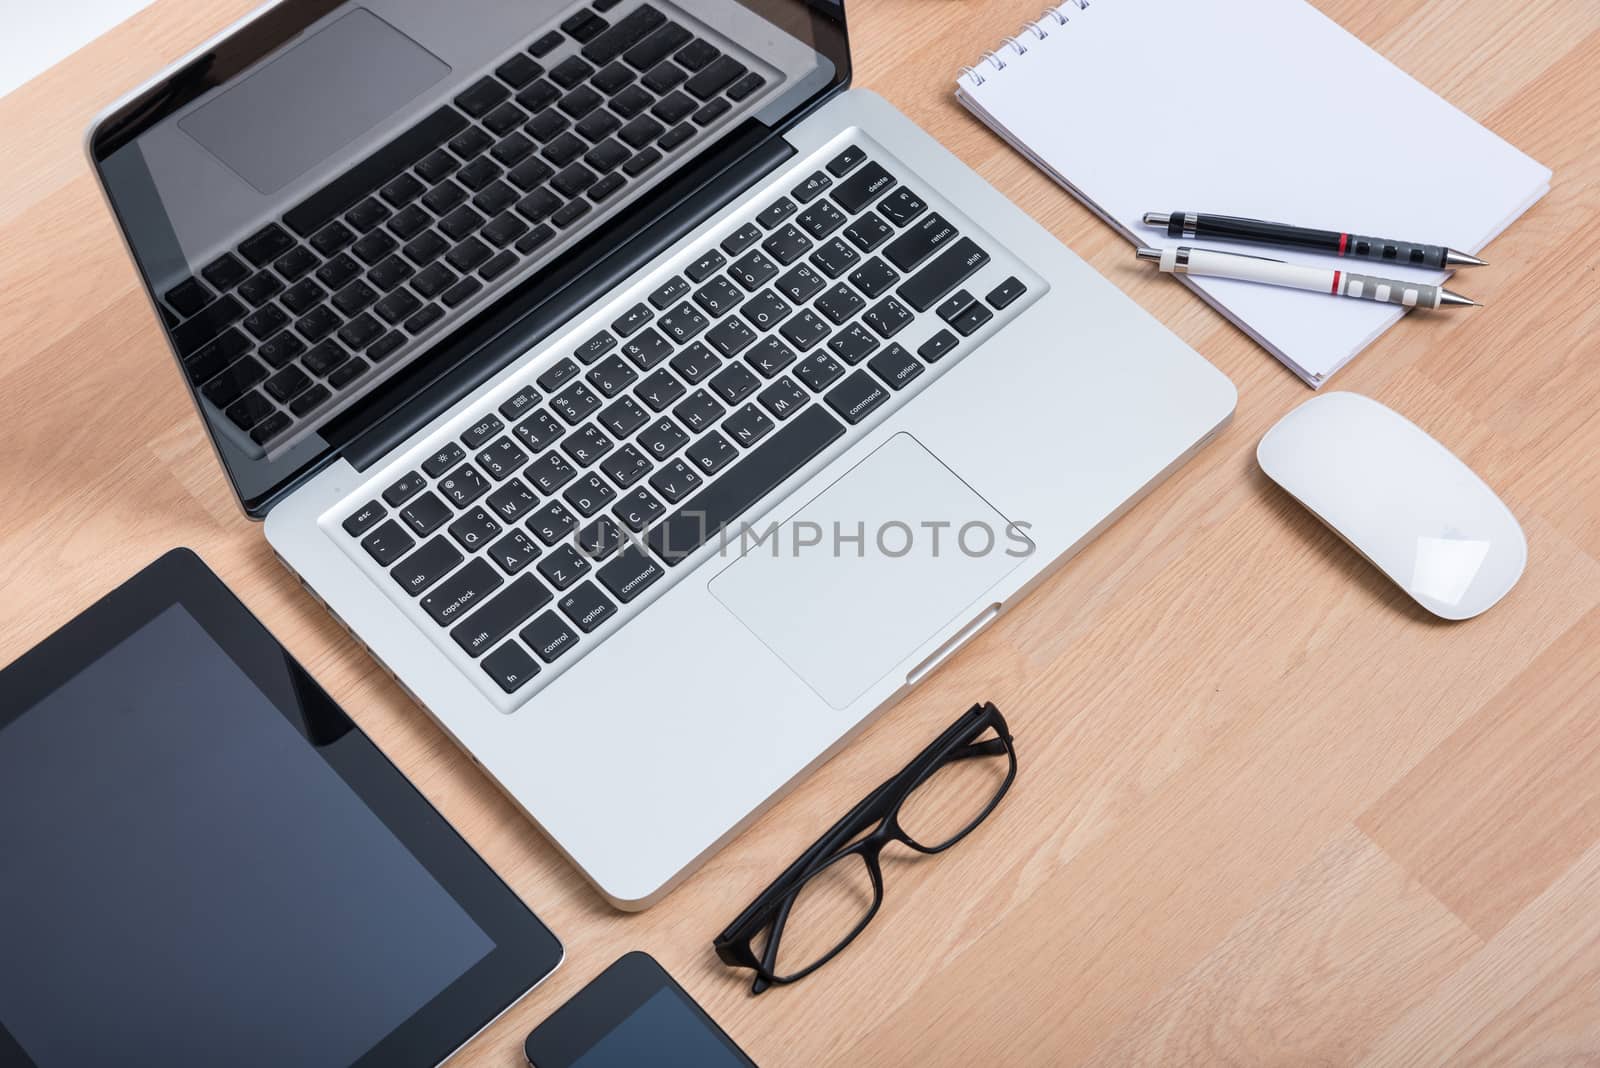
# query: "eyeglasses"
{"type": "Point", "coordinates": [827, 897]}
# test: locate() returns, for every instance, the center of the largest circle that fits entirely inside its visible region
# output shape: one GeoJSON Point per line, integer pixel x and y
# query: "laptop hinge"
{"type": "Point", "coordinates": [548, 312]}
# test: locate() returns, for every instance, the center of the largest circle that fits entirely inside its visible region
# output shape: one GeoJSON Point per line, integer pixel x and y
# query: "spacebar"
{"type": "Point", "coordinates": [745, 483]}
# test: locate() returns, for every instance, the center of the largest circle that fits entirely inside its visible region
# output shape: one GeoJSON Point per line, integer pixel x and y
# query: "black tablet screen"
{"type": "Point", "coordinates": [187, 881]}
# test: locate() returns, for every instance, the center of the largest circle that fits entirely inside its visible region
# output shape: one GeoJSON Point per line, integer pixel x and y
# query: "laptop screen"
{"type": "Point", "coordinates": [326, 197]}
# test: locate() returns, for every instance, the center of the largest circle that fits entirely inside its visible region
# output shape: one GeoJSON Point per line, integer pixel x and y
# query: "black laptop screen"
{"type": "Point", "coordinates": [334, 192]}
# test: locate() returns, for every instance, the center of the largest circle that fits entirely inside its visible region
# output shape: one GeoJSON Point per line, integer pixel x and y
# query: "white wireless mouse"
{"type": "Point", "coordinates": [1400, 499]}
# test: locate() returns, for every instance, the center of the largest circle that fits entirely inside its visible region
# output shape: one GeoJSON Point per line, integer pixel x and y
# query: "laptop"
{"type": "Point", "coordinates": [654, 407]}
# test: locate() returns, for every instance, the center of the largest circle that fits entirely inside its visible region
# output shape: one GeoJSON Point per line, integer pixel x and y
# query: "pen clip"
{"type": "Point", "coordinates": [1238, 255]}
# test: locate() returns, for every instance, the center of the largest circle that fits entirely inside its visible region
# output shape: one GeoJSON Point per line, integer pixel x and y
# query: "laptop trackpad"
{"type": "Point", "coordinates": [885, 558]}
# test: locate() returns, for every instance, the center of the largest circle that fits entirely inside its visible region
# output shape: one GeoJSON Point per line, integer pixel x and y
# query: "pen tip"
{"type": "Point", "coordinates": [1448, 299]}
{"type": "Point", "coordinates": [1452, 259]}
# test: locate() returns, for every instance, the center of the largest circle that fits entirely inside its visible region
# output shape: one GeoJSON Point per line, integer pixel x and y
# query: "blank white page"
{"type": "Point", "coordinates": [1262, 108]}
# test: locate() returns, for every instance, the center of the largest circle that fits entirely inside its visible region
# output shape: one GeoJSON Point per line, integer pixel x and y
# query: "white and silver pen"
{"type": "Point", "coordinates": [1211, 263]}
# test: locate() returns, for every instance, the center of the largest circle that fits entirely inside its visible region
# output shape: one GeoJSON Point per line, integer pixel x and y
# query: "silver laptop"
{"type": "Point", "coordinates": [654, 408]}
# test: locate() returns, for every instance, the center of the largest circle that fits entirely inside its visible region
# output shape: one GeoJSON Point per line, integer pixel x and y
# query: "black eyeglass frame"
{"type": "Point", "coordinates": [882, 806]}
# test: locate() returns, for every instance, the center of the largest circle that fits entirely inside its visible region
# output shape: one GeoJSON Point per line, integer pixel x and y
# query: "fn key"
{"type": "Point", "coordinates": [510, 667]}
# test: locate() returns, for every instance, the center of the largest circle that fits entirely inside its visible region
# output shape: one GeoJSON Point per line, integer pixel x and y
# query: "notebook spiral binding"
{"type": "Point", "coordinates": [1040, 28]}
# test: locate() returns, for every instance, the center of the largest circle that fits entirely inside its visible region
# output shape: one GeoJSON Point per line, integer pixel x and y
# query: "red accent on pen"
{"type": "Point", "coordinates": [1335, 289]}
{"type": "Point", "coordinates": [1344, 239]}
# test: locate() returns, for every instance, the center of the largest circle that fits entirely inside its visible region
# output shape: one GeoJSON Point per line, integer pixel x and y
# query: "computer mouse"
{"type": "Point", "coordinates": [1400, 499]}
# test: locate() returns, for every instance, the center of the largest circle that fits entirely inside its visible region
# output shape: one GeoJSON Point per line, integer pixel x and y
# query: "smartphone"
{"type": "Point", "coordinates": [632, 1014]}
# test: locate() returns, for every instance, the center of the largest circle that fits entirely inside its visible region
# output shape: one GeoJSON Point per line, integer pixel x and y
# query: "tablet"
{"type": "Point", "coordinates": [632, 1014]}
{"type": "Point", "coordinates": [206, 862]}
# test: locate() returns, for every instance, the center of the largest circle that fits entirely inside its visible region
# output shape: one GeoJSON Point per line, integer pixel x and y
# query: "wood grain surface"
{"type": "Point", "coordinates": [1269, 812]}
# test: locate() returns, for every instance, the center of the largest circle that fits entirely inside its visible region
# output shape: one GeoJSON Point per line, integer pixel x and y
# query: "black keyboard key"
{"type": "Point", "coordinates": [303, 296]}
{"type": "Point", "coordinates": [374, 247]}
{"type": "Point", "coordinates": [707, 265]}
{"type": "Point", "coordinates": [746, 86]}
{"type": "Point", "coordinates": [266, 244]}
{"type": "Point", "coordinates": [225, 271]}
{"type": "Point", "coordinates": [623, 417]}
{"type": "Point", "coordinates": [387, 543]}
{"type": "Point", "coordinates": [404, 488]}
{"type": "Point", "coordinates": [699, 411]}
{"type": "Point", "coordinates": [538, 431]}
{"type": "Point", "coordinates": [529, 173]}
{"type": "Point", "coordinates": [626, 466]}
{"type": "Point", "coordinates": [270, 427]}
{"type": "Point", "coordinates": [765, 310]}
{"type": "Point", "coordinates": [481, 431]}
{"type": "Point", "coordinates": [260, 288]}
{"type": "Point", "coordinates": [470, 142]}
{"type": "Point", "coordinates": [937, 346]}
{"type": "Point", "coordinates": [674, 482]}
{"type": "Point", "coordinates": [562, 371]}
{"type": "Point", "coordinates": [310, 400]}
{"type": "Point", "coordinates": [783, 398]}
{"type": "Point", "coordinates": [580, 101]}
{"type": "Point", "coordinates": [868, 232]}
{"type": "Point", "coordinates": [424, 249]}
{"type": "Point", "coordinates": [1006, 292]}
{"type": "Point", "coordinates": [566, 565]}
{"type": "Point", "coordinates": [549, 637]}
{"type": "Point", "coordinates": [952, 267]}
{"type": "Point", "coordinates": [820, 220]}
{"type": "Point", "coordinates": [469, 255]}
{"type": "Point", "coordinates": [443, 460]}
{"type": "Point", "coordinates": [427, 514]}
{"type": "Point", "coordinates": [835, 257]}
{"type": "Point", "coordinates": [367, 215]}
{"type": "Point", "coordinates": [538, 205]}
{"type": "Point", "coordinates": [338, 271]}
{"type": "Point", "coordinates": [475, 529]}
{"type": "Point", "coordinates": [735, 383]}
{"type": "Point", "coordinates": [895, 366]}
{"type": "Point", "coordinates": [664, 76]}
{"type": "Point", "coordinates": [887, 317]}
{"type": "Point", "coordinates": [599, 539]}
{"type": "Point", "coordinates": [432, 281]}
{"type": "Point", "coordinates": [347, 373]}
{"type": "Point", "coordinates": [228, 346]}
{"type": "Point", "coordinates": [390, 272]}
{"type": "Point", "coordinates": [845, 161]}
{"type": "Point", "coordinates": [546, 44]}
{"type": "Point", "coordinates": [552, 522]}
{"type": "Point", "coordinates": [919, 242]}
{"type": "Point", "coordinates": [954, 306]}
{"type": "Point", "coordinates": [570, 213]}
{"type": "Point", "coordinates": [500, 232]}
{"type": "Point", "coordinates": [819, 370]}
{"type": "Point", "coordinates": [631, 101]}
{"type": "Point", "coordinates": [464, 485]}
{"type": "Point", "coordinates": [570, 71]}
{"type": "Point", "coordinates": [519, 403]}
{"type": "Point", "coordinates": [462, 592]}
{"type": "Point", "coordinates": [730, 337]}
{"type": "Point", "coordinates": [673, 108]}
{"type": "Point", "coordinates": [711, 453]}
{"type": "Point", "coordinates": [640, 131]}
{"type": "Point", "coordinates": [425, 317]}
{"type": "Point", "coordinates": [426, 566]}
{"type": "Point", "coordinates": [461, 292]}
{"type": "Point", "coordinates": [534, 238]}
{"type": "Point", "coordinates": [670, 292]}
{"type": "Point", "coordinates": [968, 322]}
{"type": "Point", "coordinates": [647, 348]}
{"type": "Point", "coordinates": [550, 472]}
{"type": "Point", "coordinates": [695, 362]}
{"type": "Point", "coordinates": [573, 180]}
{"type": "Point", "coordinates": [482, 97]}
{"type": "Point", "coordinates": [503, 119]}
{"type": "Point", "coordinates": [249, 410]}
{"type": "Point", "coordinates": [709, 113]}
{"type": "Point", "coordinates": [234, 381]}
{"type": "Point", "coordinates": [839, 303]}
{"type": "Point", "coordinates": [752, 270]}
{"type": "Point", "coordinates": [605, 187]}
{"type": "Point", "coordinates": [874, 278]}
{"type": "Point", "coordinates": [675, 136]}
{"type": "Point", "coordinates": [587, 607]}
{"type": "Point", "coordinates": [748, 425]}
{"type": "Point", "coordinates": [660, 390]}
{"type": "Point", "coordinates": [682, 323]}
{"type": "Point", "coordinates": [718, 297]}
{"type": "Point", "coordinates": [513, 500]}
{"type": "Point", "coordinates": [514, 552]}
{"type": "Point", "coordinates": [662, 438]}
{"type": "Point", "coordinates": [624, 35]}
{"type": "Point", "coordinates": [585, 25]}
{"type": "Point", "coordinates": [265, 322]}
{"type": "Point", "coordinates": [363, 519]}
{"type": "Point", "coordinates": [611, 79]}
{"type": "Point", "coordinates": [354, 297]}
{"type": "Point", "coordinates": [586, 445]}
{"type": "Point", "coordinates": [611, 376]}
{"type": "Point", "coordinates": [745, 483]}
{"type": "Point", "coordinates": [852, 344]}
{"type": "Point", "coordinates": [494, 198]}
{"type": "Point", "coordinates": [323, 206]}
{"type": "Point", "coordinates": [502, 459]}
{"type": "Point", "coordinates": [317, 324]}
{"type": "Point", "coordinates": [638, 510]}
{"type": "Point", "coordinates": [862, 187]}
{"type": "Point", "coordinates": [901, 206]}
{"type": "Point", "coordinates": [323, 358]}
{"type": "Point", "coordinates": [287, 384]}
{"type": "Point", "coordinates": [538, 96]}
{"type": "Point", "coordinates": [189, 296]}
{"type": "Point", "coordinates": [697, 54]}
{"type": "Point", "coordinates": [630, 574]}
{"type": "Point", "coordinates": [857, 396]}
{"type": "Point", "coordinates": [510, 667]}
{"type": "Point", "coordinates": [801, 284]}
{"type": "Point", "coordinates": [814, 186]}
{"type": "Point", "coordinates": [640, 162]}
{"type": "Point", "coordinates": [402, 190]}
{"type": "Point", "coordinates": [508, 611]}
{"type": "Point", "coordinates": [652, 52]}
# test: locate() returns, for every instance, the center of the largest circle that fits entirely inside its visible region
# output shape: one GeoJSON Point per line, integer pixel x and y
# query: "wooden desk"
{"type": "Point", "coordinates": [1268, 811]}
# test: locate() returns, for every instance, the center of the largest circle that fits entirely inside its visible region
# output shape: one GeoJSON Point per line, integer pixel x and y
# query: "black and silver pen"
{"type": "Point", "coordinates": [1188, 224]}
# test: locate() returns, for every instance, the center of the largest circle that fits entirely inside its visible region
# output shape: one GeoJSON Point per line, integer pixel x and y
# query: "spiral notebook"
{"type": "Point", "coordinates": [1263, 108]}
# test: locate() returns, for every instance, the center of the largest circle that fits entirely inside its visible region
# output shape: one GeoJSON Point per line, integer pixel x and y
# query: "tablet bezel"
{"type": "Point", "coordinates": [599, 1008]}
{"type": "Point", "coordinates": [525, 951]}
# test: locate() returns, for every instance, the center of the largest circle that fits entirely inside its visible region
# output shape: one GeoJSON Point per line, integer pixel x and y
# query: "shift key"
{"type": "Point", "coordinates": [484, 629]}
{"type": "Point", "coordinates": [952, 267]}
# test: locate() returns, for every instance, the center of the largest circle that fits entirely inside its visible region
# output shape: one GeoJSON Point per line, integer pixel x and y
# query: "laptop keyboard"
{"type": "Point", "coordinates": [544, 515]}
{"type": "Point", "coordinates": [298, 316]}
